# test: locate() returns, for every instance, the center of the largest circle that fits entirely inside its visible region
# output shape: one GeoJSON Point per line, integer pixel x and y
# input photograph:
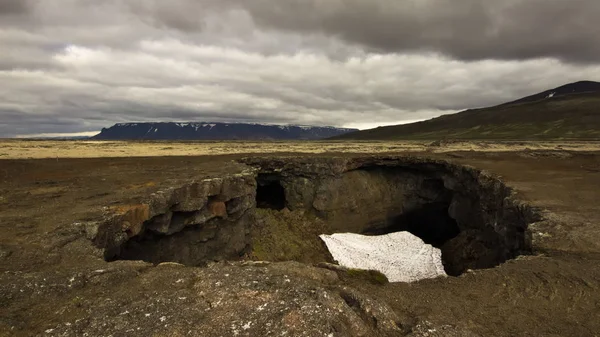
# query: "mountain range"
{"type": "Point", "coordinates": [571, 111]}
{"type": "Point", "coordinates": [216, 131]}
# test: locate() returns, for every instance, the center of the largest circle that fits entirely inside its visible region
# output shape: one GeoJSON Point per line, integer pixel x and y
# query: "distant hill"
{"type": "Point", "coordinates": [216, 131]}
{"type": "Point", "coordinates": [571, 111]}
{"type": "Point", "coordinates": [567, 89]}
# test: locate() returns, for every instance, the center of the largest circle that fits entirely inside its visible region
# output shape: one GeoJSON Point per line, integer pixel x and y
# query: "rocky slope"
{"type": "Point", "coordinates": [216, 131]}
{"type": "Point", "coordinates": [567, 112]}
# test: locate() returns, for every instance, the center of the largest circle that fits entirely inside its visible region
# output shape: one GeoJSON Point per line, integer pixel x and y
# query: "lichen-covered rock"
{"type": "Point", "coordinates": [223, 299]}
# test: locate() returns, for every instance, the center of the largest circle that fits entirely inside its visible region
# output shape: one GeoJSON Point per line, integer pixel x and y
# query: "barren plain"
{"type": "Point", "coordinates": [33, 149]}
{"type": "Point", "coordinates": [57, 197]}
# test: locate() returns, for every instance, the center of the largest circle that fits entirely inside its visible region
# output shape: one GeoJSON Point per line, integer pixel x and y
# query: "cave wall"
{"type": "Point", "coordinates": [494, 223]}
{"type": "Point", "coordinates": [364, 195]}
{"type": "Point", "coordinates": [363, 199]}
{"type": "Point", "coordinates": [190, 224]}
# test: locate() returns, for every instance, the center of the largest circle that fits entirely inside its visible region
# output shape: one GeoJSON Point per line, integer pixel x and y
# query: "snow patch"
{"type": "Point", "coordinates": [400, 256]}
{"type": "Point", "coordinates": [551, 95]}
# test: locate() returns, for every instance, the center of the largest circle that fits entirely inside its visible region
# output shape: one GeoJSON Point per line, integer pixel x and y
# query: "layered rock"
{"type": "Point", "coordinates": [198, 222]}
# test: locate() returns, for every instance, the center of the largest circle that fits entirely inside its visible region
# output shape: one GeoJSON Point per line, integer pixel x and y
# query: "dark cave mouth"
{"type": "Point", "coordinates": [270, 194]}
{"type": "Point", "coordinates": [463, 245]}
{"type": "Point", "coordinates": [430, 222]}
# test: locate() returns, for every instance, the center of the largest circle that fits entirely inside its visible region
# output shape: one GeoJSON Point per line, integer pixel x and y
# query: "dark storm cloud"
{"type": "Point", "coordinates": [465, 29]}
{"type": "Point", "coordinates": [185, 15]}
{"type": "Point", "coordinates": [10, 7]}
{"type": "Point", "coordinates": [80, 65]}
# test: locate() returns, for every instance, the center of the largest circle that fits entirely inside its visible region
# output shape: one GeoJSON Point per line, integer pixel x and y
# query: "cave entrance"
{"type": "Point", "coordinates": [270, 193]}
{"type": "Point", "coordinates": [451, 208]}
{"type": "Point", "coordinates": [430, 222]}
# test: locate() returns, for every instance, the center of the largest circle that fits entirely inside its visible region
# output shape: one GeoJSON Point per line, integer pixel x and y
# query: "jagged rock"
{"type": "Point", "coordinates": [172, 211]}
{"type": "Point", "coordinates": [237, 205]}
{"type": "Point", "coordinates": [472, 249]}
{"type": "Point", "coordinates": [191, 197]}
{"type": "Point", "coordinates": [378, 315]}
{"type": "Point", "coordinates": [160, 223]}
{"type": "Point", "coordinates": [132, 218]}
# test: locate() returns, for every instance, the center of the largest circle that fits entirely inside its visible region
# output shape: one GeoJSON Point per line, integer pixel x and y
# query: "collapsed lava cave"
{"type": "Point", "coordinates": [470, 215]}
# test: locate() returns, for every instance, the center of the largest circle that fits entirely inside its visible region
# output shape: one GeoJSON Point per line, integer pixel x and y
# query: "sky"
{"type": "Point", "coordinates": [76, 66]}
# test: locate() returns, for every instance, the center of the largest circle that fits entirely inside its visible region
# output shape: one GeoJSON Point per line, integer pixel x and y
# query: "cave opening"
{"type": "Point", "coordinates": [430, 222]}
{"type": "Point", "coordinates": [270, 194]}
{"type": "Point", "coordinates": [472, 224]}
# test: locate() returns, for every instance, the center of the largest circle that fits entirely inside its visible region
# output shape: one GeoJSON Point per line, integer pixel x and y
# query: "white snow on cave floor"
{"type": "Point", "coordinates": [401, 256]}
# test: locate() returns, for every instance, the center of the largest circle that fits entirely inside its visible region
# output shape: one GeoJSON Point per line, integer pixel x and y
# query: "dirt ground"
{"type": "Point", "coordinates": [556, 292]}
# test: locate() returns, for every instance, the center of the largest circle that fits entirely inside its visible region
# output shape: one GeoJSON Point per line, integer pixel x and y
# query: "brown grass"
{"type": "Point", "coordinates": [25, 149]}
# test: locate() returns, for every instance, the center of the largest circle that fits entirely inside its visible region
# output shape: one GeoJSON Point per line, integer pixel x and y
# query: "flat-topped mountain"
{"type": "Point", "coordinates": [216, 131]}
{"type": "Point", "coordinates": [571, 111]}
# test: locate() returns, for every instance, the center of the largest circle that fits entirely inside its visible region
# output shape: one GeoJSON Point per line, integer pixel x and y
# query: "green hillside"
{"type": "Point", "coordinates": [570, 116]}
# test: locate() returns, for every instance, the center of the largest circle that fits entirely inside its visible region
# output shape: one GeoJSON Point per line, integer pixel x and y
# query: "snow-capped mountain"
{"type": "Point", "coordinates": [217, 131]}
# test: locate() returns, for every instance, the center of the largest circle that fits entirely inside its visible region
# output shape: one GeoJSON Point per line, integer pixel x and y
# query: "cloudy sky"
{"type": "Point", "coordinates": [71, 66]}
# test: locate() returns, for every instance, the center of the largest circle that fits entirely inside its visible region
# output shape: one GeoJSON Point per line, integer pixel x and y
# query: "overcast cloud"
{"type": "Point", "coordinates": [70, 66]}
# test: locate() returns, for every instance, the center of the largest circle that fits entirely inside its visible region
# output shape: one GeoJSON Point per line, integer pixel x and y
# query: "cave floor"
{"type": "Point", "coordinates": [52, 281]}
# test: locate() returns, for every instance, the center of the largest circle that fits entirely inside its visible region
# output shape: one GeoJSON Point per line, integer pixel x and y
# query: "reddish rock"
{"type": "Point", "coordinates": [133, 217]}
{"type": "Point", "coordinates": [217, 208]}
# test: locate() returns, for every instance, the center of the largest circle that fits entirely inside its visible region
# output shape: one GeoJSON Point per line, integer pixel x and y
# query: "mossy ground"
{"type": "Point", "coordinates": [286, 235]}
{"type": "Point", "coordinates": [294, 236]}
{"type": "Point", "coordinates": [372, 276]}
